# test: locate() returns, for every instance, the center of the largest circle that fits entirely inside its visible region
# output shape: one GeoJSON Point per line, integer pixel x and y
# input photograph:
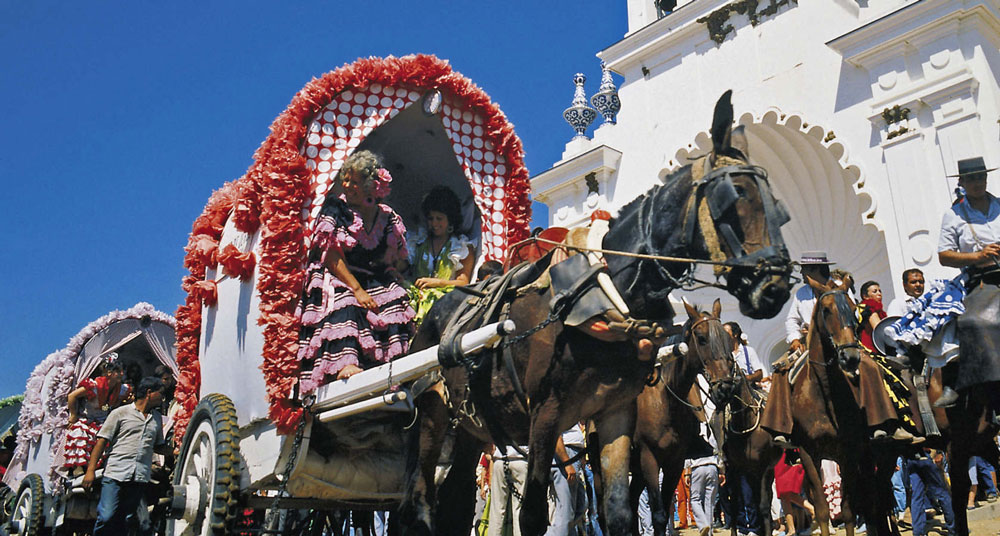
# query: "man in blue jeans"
{"type": "Point", "coordinates": [133, 432]}
{"type": "Point", "coordinates": [926, 482]}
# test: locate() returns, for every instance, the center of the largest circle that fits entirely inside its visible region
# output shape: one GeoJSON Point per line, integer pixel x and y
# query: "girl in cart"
{"type": "Point", "coordinates": [355, 314]}
{"type": "Point", "coordinates": [441, 258]}
{"type": "Point", "coordinates": [89, 405]}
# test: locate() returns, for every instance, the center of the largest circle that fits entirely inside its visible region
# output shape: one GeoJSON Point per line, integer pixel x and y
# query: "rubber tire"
{"type": "Point", "coordinates": [221, 412]}
{"type": "Point", "coordinates": [7, 501]}
{"type": "Point", "coordinates": [35, 520]}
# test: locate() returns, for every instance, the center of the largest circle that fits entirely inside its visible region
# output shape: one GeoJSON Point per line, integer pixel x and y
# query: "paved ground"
{"type": "Point", "coordinates": [983, 521]}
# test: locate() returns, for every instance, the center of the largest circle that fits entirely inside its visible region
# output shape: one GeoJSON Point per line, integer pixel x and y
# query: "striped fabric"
{"type": "Point", "coordinates": [336, 330]}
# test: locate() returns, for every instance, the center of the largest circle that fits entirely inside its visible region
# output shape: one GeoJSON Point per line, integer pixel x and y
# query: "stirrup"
{"type": "Point", "coordinates": [782, 441]}
{"type": "Point", "coordinates": [947, 399]}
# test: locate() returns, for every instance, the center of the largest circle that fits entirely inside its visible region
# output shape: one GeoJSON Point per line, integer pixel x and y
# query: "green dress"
{"type": "Point", "coordinates": [442, 266]}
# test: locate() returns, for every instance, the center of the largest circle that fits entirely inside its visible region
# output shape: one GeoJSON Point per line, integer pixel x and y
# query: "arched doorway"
{"type": "Point", "coordinates": [830, 210]}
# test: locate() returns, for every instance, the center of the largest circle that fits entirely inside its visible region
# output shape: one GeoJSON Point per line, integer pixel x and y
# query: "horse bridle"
{"type": "Point", "coordinates": [847, 314]}
{"type": "Point", "coordinates": [704, 362]}
{"type": "Point", "coordinates": [717, 187]}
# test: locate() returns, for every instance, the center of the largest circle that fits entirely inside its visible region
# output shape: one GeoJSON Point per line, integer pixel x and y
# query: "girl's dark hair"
{"type": "Point", "coordinates": [113, 366]}
{"type": "Point", "coordinates": [133, 373]}
{"type": "Point", "coordinates": [736, 329]}
{"type": "Point", "coordinates": [167, 377]}
{"type": "Point", "coordinates": [442, 199]}
{"type": "Point", "coordinates": [866, 286]}
{"type": "Point", "coordinates": [488, 270]}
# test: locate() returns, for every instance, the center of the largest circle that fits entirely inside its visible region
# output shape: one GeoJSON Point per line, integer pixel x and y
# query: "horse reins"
{"type": "Point", "coordinates": [844, 309]}
{"type": "Point", "coordinates": [703, 362]}
{"type": "Point", "coordinates": [760, 259]}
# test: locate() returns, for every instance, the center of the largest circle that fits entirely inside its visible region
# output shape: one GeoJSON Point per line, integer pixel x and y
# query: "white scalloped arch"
{"type": "Point", "coordinates": [831, 210]}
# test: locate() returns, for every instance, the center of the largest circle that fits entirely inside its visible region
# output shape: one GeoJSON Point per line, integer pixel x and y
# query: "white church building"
{"type": "Point", "coordinates": [858, 109]}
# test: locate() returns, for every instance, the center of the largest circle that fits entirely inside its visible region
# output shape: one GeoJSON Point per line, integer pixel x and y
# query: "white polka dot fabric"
{"type": "Point", "coordinates": [352, 115]}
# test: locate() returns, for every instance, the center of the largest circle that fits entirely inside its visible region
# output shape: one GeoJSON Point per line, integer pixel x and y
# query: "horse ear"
{"type": "Point", "coordinates": [692, 312]}
{"type": "Point", "coordinates": [816, 285]}
{"type": "Point", "coordinates": [739, 141]}
{"type": "Point", "coordinates": [717, 308]}
{"type": "Point", "coordinates": [722, 123]}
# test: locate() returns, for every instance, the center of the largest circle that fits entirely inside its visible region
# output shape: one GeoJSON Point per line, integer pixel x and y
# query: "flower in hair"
{"type": "Point", "coordinates": [382, 181]}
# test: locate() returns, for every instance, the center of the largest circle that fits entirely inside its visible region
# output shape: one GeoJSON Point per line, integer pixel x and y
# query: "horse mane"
{"type": "Point", "coordinates": [669, 180]}
{"type": "Point", "coordinates": [633, 204]}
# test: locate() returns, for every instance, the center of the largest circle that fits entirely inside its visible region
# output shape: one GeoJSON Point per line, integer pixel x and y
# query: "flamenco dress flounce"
{"type": "Point", "coordinates": [336, 330]}
{"type": "Point", "coordinates": [82, 435]}
{"type": "Point", "coordinates": [442, 266]}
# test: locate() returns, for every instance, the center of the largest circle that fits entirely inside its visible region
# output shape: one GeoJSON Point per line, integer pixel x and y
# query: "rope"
{"type": "Point", "coordinates": [706, 223]}
{"type": "Point", "coordinates": [644, 256]}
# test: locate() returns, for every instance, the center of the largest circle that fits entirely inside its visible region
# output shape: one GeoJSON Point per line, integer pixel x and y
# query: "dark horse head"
{"type": "Point", "coordinates": [835, 325]}
{"type": "Point", "coordinates": [710, 349]}
{"type": "Point", "coordinates": [722, 211]}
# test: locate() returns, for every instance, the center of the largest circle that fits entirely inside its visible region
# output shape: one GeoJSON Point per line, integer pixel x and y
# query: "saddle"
{"type": "Point", "coordinates": [790, 365]}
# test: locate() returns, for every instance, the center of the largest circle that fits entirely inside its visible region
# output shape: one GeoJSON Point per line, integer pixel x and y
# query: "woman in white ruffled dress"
{"type": "Point", "coordinates": [440, 258]}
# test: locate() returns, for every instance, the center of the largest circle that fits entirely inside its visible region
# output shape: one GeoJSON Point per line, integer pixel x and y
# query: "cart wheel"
{"type": "Point", "coordinates": [28, 516]}
{"type": "Point", "coordinates": [206, 480]}
{"type": "Point", "coordinates": [7, 499]}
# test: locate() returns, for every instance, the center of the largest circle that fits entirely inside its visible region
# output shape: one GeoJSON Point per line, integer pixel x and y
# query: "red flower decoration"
{"type": "Point", "coordinates": [206, 291]}
{"type": "Point", "coordinates": [236, 263]}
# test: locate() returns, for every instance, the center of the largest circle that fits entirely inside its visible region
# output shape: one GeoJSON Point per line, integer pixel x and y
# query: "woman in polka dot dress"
{"type": "Point", "coordinates": [355, 314]}
{"type": "Point", "coordinates": [89, 405]}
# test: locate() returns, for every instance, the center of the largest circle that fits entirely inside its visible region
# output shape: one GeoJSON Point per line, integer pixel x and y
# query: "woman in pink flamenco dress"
{"type": "Point", "coordinates": [355, 315]}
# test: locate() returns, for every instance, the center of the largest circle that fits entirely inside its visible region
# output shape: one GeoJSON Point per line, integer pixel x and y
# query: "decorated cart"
{"type": "Point", "coordinates": [47, 495]}
{"type": "Point", "coordinates": [251, 440]}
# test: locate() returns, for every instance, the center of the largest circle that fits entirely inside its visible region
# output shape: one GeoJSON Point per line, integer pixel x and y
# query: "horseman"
{"type": "Point", "coordinates": [777, 418]}
{"type": "Point", "coordinates": [970, 240]}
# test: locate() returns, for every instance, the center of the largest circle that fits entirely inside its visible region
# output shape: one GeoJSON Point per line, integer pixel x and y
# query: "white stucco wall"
{"type": "Point", "coordinates": [810, 82]}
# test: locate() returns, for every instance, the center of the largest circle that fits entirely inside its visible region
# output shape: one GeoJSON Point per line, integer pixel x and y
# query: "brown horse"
{"type": "Point", "coordinates": [835, 395]}
{"type": "Point", "coordinates": [750, 453]}
{"type": "Point", "coordinates": [570, 373]}
{"type": "Point", "coordinates": [666, 422]}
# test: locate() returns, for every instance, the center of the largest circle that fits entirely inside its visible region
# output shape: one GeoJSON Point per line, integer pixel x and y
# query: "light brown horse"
{"type": "Point", "coordinates": [571, 374]}
{"type": "Point", "coordinates": [833, 395]}
{"type": "Point", "coordinates": [666, 421]}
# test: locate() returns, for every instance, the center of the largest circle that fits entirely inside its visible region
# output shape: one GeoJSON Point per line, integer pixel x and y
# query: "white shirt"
{"type": "Point", "coordinates": [956, 234]}
{"type": "Point", "coordinates": [132, 436]}
{"type": "Point", "coordinates": [897, 307]}
{"type": "Point", "coordinates": [749, 361]}
{"type": "Point", "coordinates": [574, 438]}
{"type": "Point", "coordinates": [704, 430]}
{"type": "Point", "coordinates": [800, 313]}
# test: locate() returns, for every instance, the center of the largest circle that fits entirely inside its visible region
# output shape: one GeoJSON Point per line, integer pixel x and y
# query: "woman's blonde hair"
{"type": "Point", "coordinates": [362, 165]}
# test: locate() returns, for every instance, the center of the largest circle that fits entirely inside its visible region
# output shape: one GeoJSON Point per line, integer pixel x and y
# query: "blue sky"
{"type": "Point", "coordinates": [117, 120]}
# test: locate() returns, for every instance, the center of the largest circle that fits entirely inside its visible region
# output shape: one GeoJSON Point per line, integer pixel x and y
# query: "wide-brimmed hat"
{"type": "Point", "coordinates": [814, 257]}
{"type": "Point", "coordinates": [972, 166]}
{"type": "Point", "coordinates": [881, 340]}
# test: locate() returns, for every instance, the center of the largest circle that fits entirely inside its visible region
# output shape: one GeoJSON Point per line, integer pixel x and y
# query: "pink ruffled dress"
{"type": "Point", "coordinates": [336, 330]}
{"type": "Point", "coordinates": [99, 400]}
